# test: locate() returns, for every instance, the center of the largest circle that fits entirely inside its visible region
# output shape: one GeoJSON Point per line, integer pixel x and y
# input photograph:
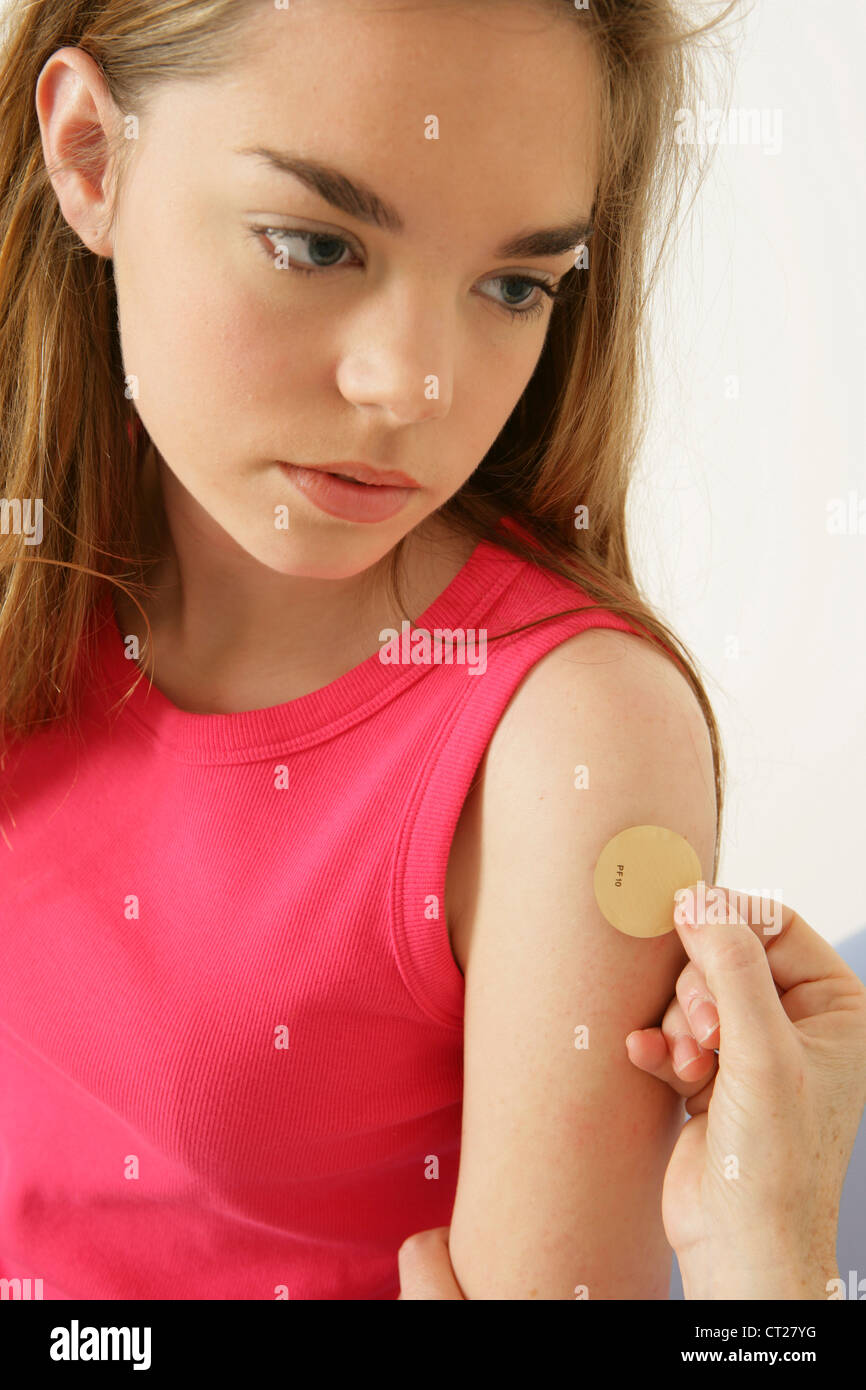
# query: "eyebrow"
{"type": "Point", "coordinates": [359, 201]}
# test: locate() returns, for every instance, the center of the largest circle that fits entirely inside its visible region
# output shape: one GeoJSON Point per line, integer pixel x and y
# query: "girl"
{"type": "Point", "coordinates": [324, 677]}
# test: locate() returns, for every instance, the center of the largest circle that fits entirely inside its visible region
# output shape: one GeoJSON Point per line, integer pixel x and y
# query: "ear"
{"type": "Point", "coordinates": [77, 120]}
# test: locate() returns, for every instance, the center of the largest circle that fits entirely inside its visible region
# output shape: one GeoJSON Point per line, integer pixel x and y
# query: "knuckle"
{"type": "Point", "coordinates": [691, 985]}
{"type": "Point", "coordinates": [737, 951]}
{"type": "Point", "coordinates": [674, 1020]}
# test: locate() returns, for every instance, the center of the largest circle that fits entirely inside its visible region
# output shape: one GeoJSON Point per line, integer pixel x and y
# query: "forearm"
{"type": "Point", "coordinates": [768, 1266]}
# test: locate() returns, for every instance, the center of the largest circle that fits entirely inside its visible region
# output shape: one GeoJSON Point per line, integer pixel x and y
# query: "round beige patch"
{"type": "Point", "coordinates": [637, 874]}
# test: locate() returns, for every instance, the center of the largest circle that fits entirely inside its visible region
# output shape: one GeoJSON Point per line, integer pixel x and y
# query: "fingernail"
{"type": "Point", "coordinates": [686, 1050]}
{"type": "Point", "coordinates": [704, 1020]}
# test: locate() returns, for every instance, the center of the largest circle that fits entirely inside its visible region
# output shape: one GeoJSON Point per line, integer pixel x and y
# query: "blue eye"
{"type": "Point", "coordinates": [314, 241]}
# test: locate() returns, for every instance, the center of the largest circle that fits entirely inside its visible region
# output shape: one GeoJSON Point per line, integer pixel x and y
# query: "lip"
{"type": "Point", "coordinates": [363, 501]}
{"type": "Point", "coordinates": [366, 473]}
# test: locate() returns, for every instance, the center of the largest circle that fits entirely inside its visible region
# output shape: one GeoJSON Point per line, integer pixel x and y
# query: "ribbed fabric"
{"type": "Point", "coordinates": [230, 1018]}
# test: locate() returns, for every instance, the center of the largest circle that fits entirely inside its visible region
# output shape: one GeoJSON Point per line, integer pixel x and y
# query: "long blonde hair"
{"type": "Point", "coordinates": [70, 436]}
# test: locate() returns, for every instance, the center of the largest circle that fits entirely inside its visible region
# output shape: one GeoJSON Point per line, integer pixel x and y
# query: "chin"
{"type": "Point", "coordinates": [325, 559]}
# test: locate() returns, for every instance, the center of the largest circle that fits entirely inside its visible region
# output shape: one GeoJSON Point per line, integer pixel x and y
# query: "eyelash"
{"type": "Point", "coordinates": [307, 236]}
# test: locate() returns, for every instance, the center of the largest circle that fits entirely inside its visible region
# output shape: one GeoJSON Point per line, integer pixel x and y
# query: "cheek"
{"type": "Point", "coordinates": [265, 358]}
{"type": "Point", "coordinates": [215, 360]}
{"type": "Point", "coordinates": [495, 380]}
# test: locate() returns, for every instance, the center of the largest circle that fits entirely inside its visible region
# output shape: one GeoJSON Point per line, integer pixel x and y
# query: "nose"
{"type": "Point", "coordinates": [398, 354]}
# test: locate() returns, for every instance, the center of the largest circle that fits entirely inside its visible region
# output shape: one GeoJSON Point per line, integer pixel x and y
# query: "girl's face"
{"type": "Point", "coordinates": [392, 340]}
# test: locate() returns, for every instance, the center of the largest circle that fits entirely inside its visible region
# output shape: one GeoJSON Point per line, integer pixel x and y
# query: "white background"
{"type": "Point", "coordinates": [729, 516]}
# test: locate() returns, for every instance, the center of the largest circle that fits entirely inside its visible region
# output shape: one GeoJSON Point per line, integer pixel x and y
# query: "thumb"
{"type": "Point", "coordinates": [425, 1267]}
{"type": "Point", "coordinates": [726, 941]}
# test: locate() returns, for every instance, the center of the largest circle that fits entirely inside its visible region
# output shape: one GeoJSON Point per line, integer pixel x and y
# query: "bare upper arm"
{"type": "Point", "coordinates": [564, 1149]}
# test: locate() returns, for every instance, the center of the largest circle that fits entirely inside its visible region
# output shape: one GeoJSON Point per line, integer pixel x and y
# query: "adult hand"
{"type": "Point", "coordinates": [751, 1195]}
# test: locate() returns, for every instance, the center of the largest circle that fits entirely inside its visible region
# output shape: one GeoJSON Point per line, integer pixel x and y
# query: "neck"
{"type": "Point", "coordinates": [268, 637]}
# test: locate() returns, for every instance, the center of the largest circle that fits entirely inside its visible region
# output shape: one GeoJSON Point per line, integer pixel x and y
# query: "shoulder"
{"type": "Point", "coordinates": [604, 732]}
{"type": "Point", "coordinates": [603, 689]}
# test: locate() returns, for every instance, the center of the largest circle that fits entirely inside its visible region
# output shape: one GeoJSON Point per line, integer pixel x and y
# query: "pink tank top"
{"type": "Point", "coordinates": [231, 1025]}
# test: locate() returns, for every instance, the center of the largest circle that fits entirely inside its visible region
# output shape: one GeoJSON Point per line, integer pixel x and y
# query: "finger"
{"type": "Point", "coordinates": [648, 1050]}
{"type": "Point", "coordinates": [796, 951]}
{"type": "Point", "coordinates": [698, 1005]}
{"type": "Point", "coordinates": [425, 1268]}
{"type": "Point", "coordinates": [689, 1058]}
{"type": "Point", "coordinates": [699, 1103]}
{"type": "Point", "coordinates": [728, 947]}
